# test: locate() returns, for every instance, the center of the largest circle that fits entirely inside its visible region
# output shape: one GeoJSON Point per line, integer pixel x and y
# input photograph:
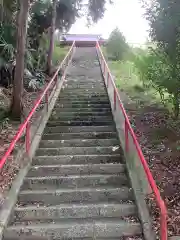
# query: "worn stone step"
{"type": "Point", "coordinates": [52, 123]}
{"type": "Point", "coordinates": [75, 169]}
{"type": "Point", "coordinates": [85, 195]}
{"type": "Point", "coordinates": [99, 87]}
{"type": "Point", "coordinates": [82, 85]}
{"type": "Point", "coordinates": [58, 114]}
{"type": "Point", "coordinates": [82, 101]}
{"type": "Point", "coordinates": [81, 118]}
{"type": "Point", "coordinates": [75, 181]}
{"type": "Point", "coordinates": [79, 150]}
{"type": "Point", "coordinates": [85, 103]}
{"type": "Point", "coordinates": [93, 90]}
{"type": "Point", "coordinates": [78, 143]}
{"type": "Point", "coordinates": [77, 159]}
{"type": "Point", "coordinates": [82, 95]}
{"type": "Point", "coordinates": [64, 211]}
{"type": "Point", "coordinates": [75, 98]}
{"type": "Point", "coordinates": [82, 105]}
{"type": "Point", "coordinates": [81, 135]}
{"type": "Point", "coordinates": [84, 80]}
{"type": "Point", "coordinates": [87, 109]}
{"type": "Point", "coordinates": [74, 229]}
{"type": "Point", "coordinates": [79, 129]}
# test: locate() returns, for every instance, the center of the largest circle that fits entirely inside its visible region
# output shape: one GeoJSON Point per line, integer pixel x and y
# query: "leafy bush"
{"type": "Point", "coordinates": [155, 71]}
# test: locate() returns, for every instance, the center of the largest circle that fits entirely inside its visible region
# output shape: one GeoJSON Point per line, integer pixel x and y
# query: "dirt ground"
{"type": "Point", "coordinates": [159, 137]}
{"type": "Point", "coordinates": [8, 129]}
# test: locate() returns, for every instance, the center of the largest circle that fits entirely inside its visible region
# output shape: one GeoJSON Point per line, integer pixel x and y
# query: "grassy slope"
{"type": "Point", "coordinates": [127, 80]}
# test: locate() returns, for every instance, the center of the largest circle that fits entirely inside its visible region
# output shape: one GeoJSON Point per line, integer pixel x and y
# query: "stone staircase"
{"type": "Point", "coordinates": [77, 186]}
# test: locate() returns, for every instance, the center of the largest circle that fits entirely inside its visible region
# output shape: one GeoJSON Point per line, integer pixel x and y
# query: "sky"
{"type": "Point", "coordinates": [127, 15]}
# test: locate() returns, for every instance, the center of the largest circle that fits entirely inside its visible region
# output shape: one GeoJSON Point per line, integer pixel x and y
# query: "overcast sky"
{"type": "Point", "coordinates": [127, 15]}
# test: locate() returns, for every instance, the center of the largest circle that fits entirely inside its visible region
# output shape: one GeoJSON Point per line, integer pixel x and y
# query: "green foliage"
{"type": "Point", "coordinates": [155, 72]}
{"type": "Point", "coordinates": [59, 53]}
{"type": "Point", "coordinates": [117, 46]}
{"type": "Point", "coordinates": [164, 20]}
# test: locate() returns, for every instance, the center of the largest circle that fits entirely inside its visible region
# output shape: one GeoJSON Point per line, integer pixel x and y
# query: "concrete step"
{"type": "Point", "coordinates": [75, 169]}
{"type": "Point", "coordinates": [77, 159]}
{"type": "Point", "coordinates": [83, 85]}
{"type": "Point", "coordinates": [73, 229]}
{"type": "Point", "coordinates": [78, 143]}
{"type": "Point", "coordinates": [76, 181]}
{"type": "Point", "coordinates": [59, 114]}
{"type": "Point", "coordinates": [82, 101]}
{"type": "Point", "coordinates": [79, 123]}
{"type": "Point", "coordinates": [82, 98]}
{"type": "Point", "coordinates": [97, 90]}
{"type": "Point", "coordinates": [87, 109]}
{"type": "Point", "coordinates": [82, 105]}
{"type": "Point", "coordinates": [83, 80]}
{"type": "Point", "coordinates": [79, 129]}
{"type": "Point", "coordinates": [79, 151]}
{"type": "Point", "coordinates": [64, 211]}
{"type": "Point", "coordinates": [81, 118]}
{"type": "Point", "coordinates": [82, 95]}
{"type": "Point", "coordinates": [81, 195]}
{"type": "Point", "coordinates": [81, 135]}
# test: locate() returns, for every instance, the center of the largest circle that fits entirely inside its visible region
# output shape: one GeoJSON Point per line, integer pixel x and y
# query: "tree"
{"type": "Point", "coordinates": [117, 46]}
{"type": "Point", "coordinates": [18, 86]}
{"type": "Point", "coordinates": [41, 14]}
{"type": "Point", "coordinates": [51, 41]}
{"type": "Point", "coordinates": [164, 20]}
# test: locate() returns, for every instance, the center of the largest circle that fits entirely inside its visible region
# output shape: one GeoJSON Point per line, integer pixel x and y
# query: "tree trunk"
{"type": "Point", "coordinates": [51, 42]}
{"type": "Point", "coordinates": [176, 105]}
{"type": "Point", "coordinates": [21, 47]}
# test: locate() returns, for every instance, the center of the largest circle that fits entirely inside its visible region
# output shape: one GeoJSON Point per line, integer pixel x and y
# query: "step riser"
{"type": "Point", "coordinates": [77, 151]}
{"type": "Point", "coordinates": [87, 89]}
{"type": "Point", "coordinates": [82, 101]}
{"type": "Point", "coordinates": [85, 99]}
{"type": "Point", "coordinates": [94, 231]}
{"type": "Point", "coordinates": [84, 135]}
{"type": "Point", "coordinates": [78, 143]}
{"type": "Point", "coordinates": [63, 170]}
{"type": "Point", "coordinates": [73, 105]}
{"type": "Point", "coordinates": [77, 182]}
{"type": "Point", "coordinates": [83, 87]}
{"type": "Point", "coordinates": [81, 110]}
{"type": "Point", "coordinates": [96, 159]}
{"type": "Point", "coordinates": [66, 129]}
{"type": "Point", "coordinates": [82, 118]}
{"type": "Point", "coordinates": [72, 115]}
{"type": "Point", "coordinates": [88, 196]}
{"type": "Point", "coordinates": [78, 123]}
{"type": "Point", "coordinates": [56, 213]}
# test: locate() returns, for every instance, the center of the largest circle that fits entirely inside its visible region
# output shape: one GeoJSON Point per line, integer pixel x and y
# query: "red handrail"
{"type": "Point", "coordinates": [128, 128]}
{"type": "Point", "coordinates": [26, 123]}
